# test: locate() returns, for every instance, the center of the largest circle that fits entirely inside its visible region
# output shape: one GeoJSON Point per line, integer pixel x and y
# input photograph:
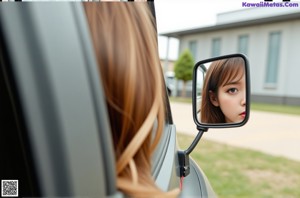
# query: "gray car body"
{"type": "Point", "coordinates": [60, 92]}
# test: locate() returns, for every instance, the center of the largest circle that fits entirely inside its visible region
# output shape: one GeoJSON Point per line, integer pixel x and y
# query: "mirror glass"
{"type": "Point", "coordinates": [220, 91]}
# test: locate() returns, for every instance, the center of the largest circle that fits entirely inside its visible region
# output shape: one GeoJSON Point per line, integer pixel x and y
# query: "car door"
{"type": "Point", "coordinates": [55, 96]}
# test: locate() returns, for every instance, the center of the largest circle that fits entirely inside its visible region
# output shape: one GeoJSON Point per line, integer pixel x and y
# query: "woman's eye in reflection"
{"type": "Point", "coordinates": [232, 90]}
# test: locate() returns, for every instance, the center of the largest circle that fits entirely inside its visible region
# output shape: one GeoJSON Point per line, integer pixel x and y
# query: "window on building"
{"type": "Point", "coordinates": [273, 59]}
{"type": "Point", "coordinates": [243, 44]}
{"type": "Point", "coordinates": [216, 47]}
{"type": "Point", "coordinates": [193, 48]}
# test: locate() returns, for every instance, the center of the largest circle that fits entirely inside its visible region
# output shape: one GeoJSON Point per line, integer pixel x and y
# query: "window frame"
{"type": "Point", "coordinates": [216, 45]}
{"type": "Point", "coordinates": [273, 60]}
{"type": "Point", "coordinates": [243, 40]}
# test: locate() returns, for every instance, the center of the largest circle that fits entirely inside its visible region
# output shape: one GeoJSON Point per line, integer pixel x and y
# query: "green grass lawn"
{"type": "Point", "coordinates": [295, 110]}
{"type": "Point", "coordinates": [235, 172]}
{"type": "Point", "coordinates": [286, 109]}
{"type": "Point", "coordinates": [180, 99]}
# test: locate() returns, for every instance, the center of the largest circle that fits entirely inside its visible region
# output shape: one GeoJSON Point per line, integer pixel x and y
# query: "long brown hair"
{"type": "Point", "coordinates": [218, 74]}
{"type": "Point", "coordinates": [125, 45]}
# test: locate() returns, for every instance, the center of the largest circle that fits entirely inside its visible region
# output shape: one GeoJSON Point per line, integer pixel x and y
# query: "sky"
{"type": "Point", "coordinates": [173, 15]}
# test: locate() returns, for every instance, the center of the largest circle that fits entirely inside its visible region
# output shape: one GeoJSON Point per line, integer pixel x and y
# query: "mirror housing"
{"type": "Point", "coordinates": [228, 68]}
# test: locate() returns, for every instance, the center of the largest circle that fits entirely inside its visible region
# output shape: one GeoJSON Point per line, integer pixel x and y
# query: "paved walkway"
{"type": "Point", "coordinates": [271, 133]}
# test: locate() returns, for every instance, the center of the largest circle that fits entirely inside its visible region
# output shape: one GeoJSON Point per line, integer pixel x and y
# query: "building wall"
{"type": "Point", "coordinates": [287, 89]}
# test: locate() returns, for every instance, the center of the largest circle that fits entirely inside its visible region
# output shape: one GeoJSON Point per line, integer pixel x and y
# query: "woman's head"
{"type": "Point", "coordinates": [224, 92]}
{"type": "Point", "coordinates": [125, 45]}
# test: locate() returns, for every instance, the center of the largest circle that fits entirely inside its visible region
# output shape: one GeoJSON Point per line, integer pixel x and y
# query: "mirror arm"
{"type": "Point", "coordinates": [183, 156]}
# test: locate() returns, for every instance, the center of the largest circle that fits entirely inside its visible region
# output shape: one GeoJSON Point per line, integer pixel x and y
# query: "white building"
{"type": "Point", "coordinates": [270, 37]}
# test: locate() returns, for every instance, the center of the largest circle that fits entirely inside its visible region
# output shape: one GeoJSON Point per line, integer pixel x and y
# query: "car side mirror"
{"type": "Point", "coordinates": [221, 98]}
{"type": "Point", "coordinates": [221, 92]}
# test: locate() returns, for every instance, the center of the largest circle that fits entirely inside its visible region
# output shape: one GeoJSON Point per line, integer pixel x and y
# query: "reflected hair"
{"type": "Point", "coordinates": [125, 44]}
{"type": "Point", "coordinates": [218, 74]}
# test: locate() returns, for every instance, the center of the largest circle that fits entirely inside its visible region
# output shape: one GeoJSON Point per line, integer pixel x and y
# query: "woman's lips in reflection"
{"type": "Point", "coordinates": [243, 114]}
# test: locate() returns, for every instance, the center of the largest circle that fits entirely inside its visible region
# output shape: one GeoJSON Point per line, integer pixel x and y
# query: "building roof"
{"type": "Point", "coordinates": [245, 23]}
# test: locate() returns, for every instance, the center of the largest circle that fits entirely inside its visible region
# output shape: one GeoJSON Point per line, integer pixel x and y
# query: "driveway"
{"type": "Point", "coordinates": [271, 133]}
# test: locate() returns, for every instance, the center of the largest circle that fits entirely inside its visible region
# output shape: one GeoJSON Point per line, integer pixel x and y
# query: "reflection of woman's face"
{"type": "Point", "coordinates": [232, 99]}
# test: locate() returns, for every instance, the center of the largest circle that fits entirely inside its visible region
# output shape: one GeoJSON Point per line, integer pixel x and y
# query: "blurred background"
{"type": "Point", "coordinates": [262, 158]}
{"type": "Point", "coordinates": [267, 35]}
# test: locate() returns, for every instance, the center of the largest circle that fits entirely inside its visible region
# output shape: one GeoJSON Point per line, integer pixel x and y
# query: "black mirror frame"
{"type": "Point", "coordinates": [204, 127]}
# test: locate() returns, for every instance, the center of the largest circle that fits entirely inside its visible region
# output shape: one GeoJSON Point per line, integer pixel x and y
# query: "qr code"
{"type": "Point", "coordinates": [9, 188]}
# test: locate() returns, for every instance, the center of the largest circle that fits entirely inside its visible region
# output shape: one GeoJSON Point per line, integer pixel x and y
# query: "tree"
{"type": "Point", "coordinates": [184, 69]}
